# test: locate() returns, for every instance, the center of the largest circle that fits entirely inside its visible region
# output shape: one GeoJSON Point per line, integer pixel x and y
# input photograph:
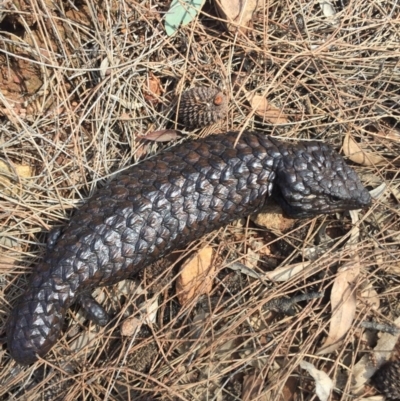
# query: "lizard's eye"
{"type": "Point", "coordinates": [335, 199]}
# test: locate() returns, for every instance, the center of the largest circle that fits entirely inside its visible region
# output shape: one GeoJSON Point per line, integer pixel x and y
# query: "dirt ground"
{"type": "Point", "coordinates": [87, 88]}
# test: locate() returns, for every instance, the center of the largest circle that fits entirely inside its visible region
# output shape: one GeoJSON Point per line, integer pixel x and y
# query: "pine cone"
{"type": "Point", "coordinates": [387, 380]}
{"type": "Point", "coordinates": [202, 106]}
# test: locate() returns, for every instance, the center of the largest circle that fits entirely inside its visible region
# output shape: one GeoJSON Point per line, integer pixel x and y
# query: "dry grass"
{"type": "Point", "coordinates": [75, 99]}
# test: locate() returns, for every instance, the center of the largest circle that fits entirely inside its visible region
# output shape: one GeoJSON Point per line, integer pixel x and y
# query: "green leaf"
{"type": "Point", "coordinates": [181, 12]}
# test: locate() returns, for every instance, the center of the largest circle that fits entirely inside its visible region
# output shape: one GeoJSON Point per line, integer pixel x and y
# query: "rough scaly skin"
{"type": "Point", "coordinates": [164, 203]}
{"type": "Point", "coordinates": [387, 379]}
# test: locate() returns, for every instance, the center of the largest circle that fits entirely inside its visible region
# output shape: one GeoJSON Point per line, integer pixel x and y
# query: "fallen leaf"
{"type": "Point", "coordinates": [196, 276]}
{"type": "Point", "coordinates": [356, 154]}
{"type": "Point", "coordinates": [154, 84]}
{"type": "Point", "coordinates": [323, 383]}
{"type": "Point", "coordinates": [343, 304]}
{"type": "Point", "coordinates": [267, 110]}
{"type": "Point", "coordinates": [141, 150]}
{"type": "Point", "coordinates": [327, 8]}
{"type": "Point", "coordinates": [237, 13]}
{"type": "Point", "coordinates": [290, 389]}
{"type": "Point", "coordinates": [288, 272]}
{"type": "Point", "coordinates": [149, 310]}
{"type": "Point", "coordinates": [153, 90]}
{"type": "Point", "coordinates": [390, 133]}
{"type": "Point", "coordinates": [164, 135]}
{"type": "Point", "coordinates": [104, 67]}
{"type": "Point", "coordinates": [252, 386]}
{"type": "Point", "coordinates": [125, 117]}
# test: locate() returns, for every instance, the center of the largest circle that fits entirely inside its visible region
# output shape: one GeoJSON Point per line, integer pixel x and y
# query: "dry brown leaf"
{"type": "Point", "coordinates": [390, 133]}
{"type": "Point", "coordinates": [266, 110]}
{"type": "Point", "coordinates": [196, 276]}
{"type": "Point", "coordinates": [237, 12]}
{"type": "Point", "coordinates": [356, 154]}
{"type": "Point", "coordinates": [288, 272]}
{"type": "Point", "coordinates": [142, 150]}
{"type": "Point", "coordinates": [164, 135]}
{"type": "Point", "coordinates": [155, 84]}
{"type": "Point", "coordinates": [252, 386]}
{"type": "Point", "coordinates": [291, 389]}
{"type": "Point", "coordinates": [343, 304]}
{"type": "Point", "coordinates": [323, 383]}
{"type": "Point", "coordinates": [153, 90]}
{"type": "Point", "coordinates": [125, 117]}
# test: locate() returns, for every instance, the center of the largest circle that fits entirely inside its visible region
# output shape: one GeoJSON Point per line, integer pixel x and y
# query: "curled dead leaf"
{"type": "Point", "coordinates": [323, 383]}
{"type": "Point", "coordinates": [356, 154]}
{"type": "Point", "coordinates": [252, 386]}
{"type": "Point", "coordinates": [153, 89]}
{"type": "Point", "coordinates": [288, 272]}
{"type": "Point", "coordinates": [237, 12]}
{"type": "Point", "coordinates": [263, 108]}
{"type": "Point", "coordinates": [196, 276]}
{"type": "Point", "coordinates": [164, 135]}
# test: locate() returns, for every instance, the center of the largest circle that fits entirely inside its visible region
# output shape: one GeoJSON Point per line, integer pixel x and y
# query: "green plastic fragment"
{"type": "Point", "coordinates": [181, 12]}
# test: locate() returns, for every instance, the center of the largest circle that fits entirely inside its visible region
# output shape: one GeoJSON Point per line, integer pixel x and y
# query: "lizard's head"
{"type": "Point", "coordinates": [313, 179]}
